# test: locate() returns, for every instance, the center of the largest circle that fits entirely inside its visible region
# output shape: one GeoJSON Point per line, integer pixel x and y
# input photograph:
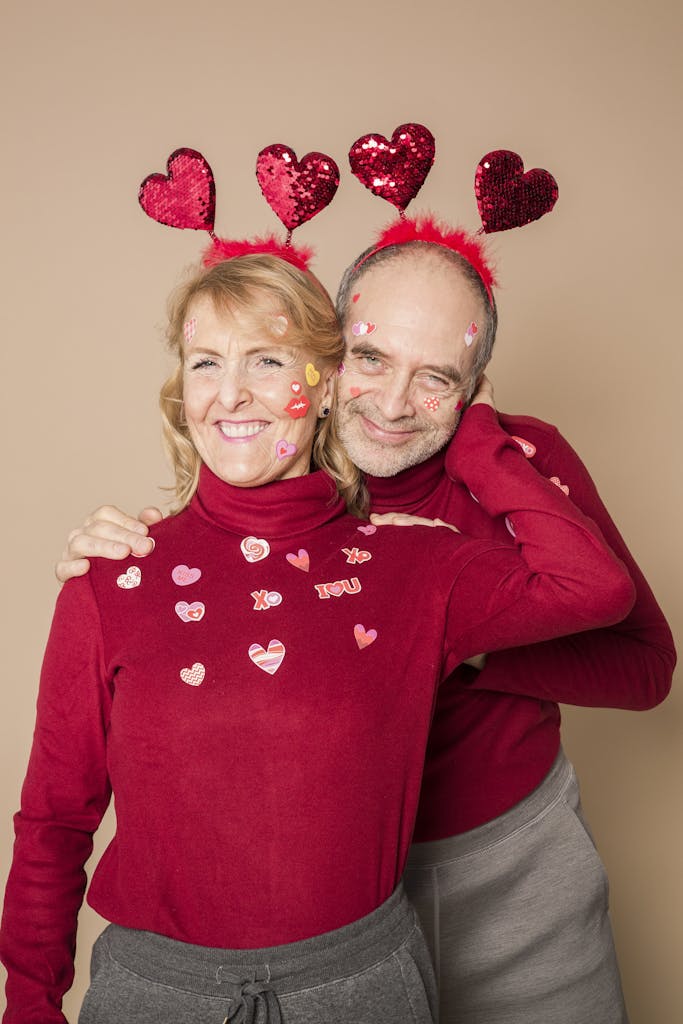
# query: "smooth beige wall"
{"type": "Point", "coordinates": [97, 95]}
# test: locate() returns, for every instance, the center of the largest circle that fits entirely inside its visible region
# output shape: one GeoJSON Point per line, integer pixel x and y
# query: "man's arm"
{"type": "Point", "coordinates": [106, 533]}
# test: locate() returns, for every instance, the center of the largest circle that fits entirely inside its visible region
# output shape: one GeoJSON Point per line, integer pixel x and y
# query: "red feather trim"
{"type": "Point", "coordinates": [427, 229]}
{"type": "Point", "coordinates": [230, 249]}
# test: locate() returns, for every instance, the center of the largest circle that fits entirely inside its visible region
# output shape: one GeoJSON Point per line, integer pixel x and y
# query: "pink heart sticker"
{"type": "Point", "coordinates": [268, 660]}
{"type": "Point", "coordinates": [368, 529]}
{"type": "Point", "coordinates": [190, 612]}
{"type": "Point", "coordinates": [193, 676]}
{"type": "Point", "coordinates": [364, 637]}
{"type": "Point", "coordinates": [129, 579]}
{"type": "Point", "coordinates": [183, 576]}
{"type": "Point", "coordinates": [285, 449]}
{"type": "Point", "coordinates": [299, 561]}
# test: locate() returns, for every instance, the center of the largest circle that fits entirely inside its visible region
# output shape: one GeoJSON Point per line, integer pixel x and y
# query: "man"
{"type": "Point", "coordinates": [507, 881]}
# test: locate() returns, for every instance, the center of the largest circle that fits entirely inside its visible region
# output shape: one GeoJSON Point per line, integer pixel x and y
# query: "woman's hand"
{"type": "Point", "coordinates": [403, 519]}
{"type": "Point", "coordinates": [106, 533]}
{"type": "Point", "coordinates": [484, 393]}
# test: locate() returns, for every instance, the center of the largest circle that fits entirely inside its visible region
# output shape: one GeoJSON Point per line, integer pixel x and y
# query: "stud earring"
{"type": "Point", "coordinates": [325, 412]}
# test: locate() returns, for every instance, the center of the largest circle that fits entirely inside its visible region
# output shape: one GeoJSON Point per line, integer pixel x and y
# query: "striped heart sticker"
{"type": "Point", "coordinates": [268, 661]}
{"type": "Point", "coordinates": [193, 676]}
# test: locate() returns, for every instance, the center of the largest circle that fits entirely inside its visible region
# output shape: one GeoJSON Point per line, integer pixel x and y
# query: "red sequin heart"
{"type": "Point", "coordinates": [506, 196]}
{"type": "Point", "coordinates": [296, 189]}
{"type": "Point", "coordinates": [394, 170]}
{"type": "Point", "coordinates": [183, 198]}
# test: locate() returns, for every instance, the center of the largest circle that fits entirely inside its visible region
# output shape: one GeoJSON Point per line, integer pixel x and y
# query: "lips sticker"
{"type": "Point", "coordinates": [190, 612]}
{"type": "Point", "coordinates": [129, 579]}
{"type": "Point", "coordinates": [268, 660]}
{"type": "Point", "coordinates": [297, 407]}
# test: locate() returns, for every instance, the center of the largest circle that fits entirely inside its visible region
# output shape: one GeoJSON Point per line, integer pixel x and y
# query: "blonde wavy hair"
{"type": "Point", "coordinates": [262, 287]}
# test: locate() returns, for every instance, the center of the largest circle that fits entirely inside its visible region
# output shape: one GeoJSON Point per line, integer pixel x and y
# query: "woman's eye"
{"type": "Point", "coordinates": [202, 364]}
{"type": "Point", "coordinates": [268, 362]}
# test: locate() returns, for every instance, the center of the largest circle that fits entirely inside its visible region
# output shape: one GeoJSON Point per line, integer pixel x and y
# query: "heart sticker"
{"type": "Point", "coordinates": [285, 449]}
{"type": "Point", "coordinates": [268, 660]}
{"type": "Point", "coordinates": [368, 529]}
{"type": "Point", "coordinates": [312, 375]}
{"type": "Point", "coordinates": [190, 329]}
{"type": "Point", "coordinates": [527, 447]}
{"type": "Point", "coordinates": [193, 676]}
{"type": "Point", "coordinates": [185, 197]}
{"type": "Point", "coordinates": [354, 392]}
{"type": "Point", "coordinates": [558, 483]}
{"type": "Point", "coordinates": [254, 549]}
{"type": "Point", "coordinates": [190, 612]}
{"type": "Point", "coordinates": [506, 196]}
{"type": "Point", "coordinates": [183, 576]}
{"type": "Point", "coordinates": [363, 327]}
{"type": "Point", "coordinates": [364, 637]}
{"type": "Point", "coordinates": [130, 578]}
{"type": "Point", "coordinates": [295, 386]}
{"type": "Point", "coordinates": [296, 190]}
{"type": "Point", "coordinates": [394, 170]}
{"type": "Point", "coordinates": [299, 561]}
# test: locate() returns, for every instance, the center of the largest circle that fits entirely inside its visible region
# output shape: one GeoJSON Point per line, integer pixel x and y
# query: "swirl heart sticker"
{"type": "Point", "coordinates": [129, 579]}
{"type": "Point", "coordinates": [254, 549]}
{"type": "Point", "coordinates": [300, 560]}
{"type": "Point", "coordinates": [193, 676]}
{"type": "Point", "coordinates": [364, 637]}
{"type": "Point", "coordinates": [183, 576]}
{"type": "Point", "coordinates": [190, 612]}
{"type": "Point", "coordinates": [506, 196]}
{"type": "Point", "coordinates": [394, 170]}
{"type": "Point", "coordinates": [296, 189]}
{"type": "Point", "coordinates": [185, 197]}
{"type": "Point", "coordinates": [268, 660]}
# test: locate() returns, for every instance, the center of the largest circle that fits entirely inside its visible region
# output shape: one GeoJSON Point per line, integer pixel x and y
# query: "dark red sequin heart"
{"type": "Point", "coordinates": [506, 196]}
{"type": "Point", "coordinates": [185, 197]}
{"type": "Point", "coordinates": [394, 170]}
{"type": "Point", "coordinates": [296, 189]}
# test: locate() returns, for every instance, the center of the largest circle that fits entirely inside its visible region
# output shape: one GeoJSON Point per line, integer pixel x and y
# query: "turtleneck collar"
{"type": "Point", "coordinates": [283, 508]}
{"type": "Point", "coordinates": [390, 493]}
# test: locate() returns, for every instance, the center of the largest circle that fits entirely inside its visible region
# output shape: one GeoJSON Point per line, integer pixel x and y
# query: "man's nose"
{"type": "Point", "coordinates": [394, 398]}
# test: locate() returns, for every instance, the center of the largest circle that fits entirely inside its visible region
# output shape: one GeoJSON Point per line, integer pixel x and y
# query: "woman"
{"type": "Point", "coordinates": [257, 693]}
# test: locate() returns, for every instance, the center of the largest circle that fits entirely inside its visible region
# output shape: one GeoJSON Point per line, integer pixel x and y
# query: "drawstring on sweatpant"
{"type": "Point", "coordinates": [255, 1002]}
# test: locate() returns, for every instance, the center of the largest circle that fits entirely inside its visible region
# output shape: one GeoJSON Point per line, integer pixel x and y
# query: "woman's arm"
{"type": "Point", "coordinates": [65, 794]}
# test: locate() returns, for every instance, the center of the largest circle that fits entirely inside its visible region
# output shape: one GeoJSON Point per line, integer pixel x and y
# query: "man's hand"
{"type": "Point", "coordinates": [106, 533]}
{"type": "Point", "coordinates": [404, 519]}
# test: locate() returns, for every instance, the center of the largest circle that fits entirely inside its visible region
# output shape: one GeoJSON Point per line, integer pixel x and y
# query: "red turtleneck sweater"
{"type": "Point", "coordinates": [497, 732]}
{"type": "Point", "coordinates": [257, 694]}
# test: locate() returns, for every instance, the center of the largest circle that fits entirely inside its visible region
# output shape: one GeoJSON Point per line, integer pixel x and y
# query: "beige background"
{"type": "Point", "coordinates": [96, 96]}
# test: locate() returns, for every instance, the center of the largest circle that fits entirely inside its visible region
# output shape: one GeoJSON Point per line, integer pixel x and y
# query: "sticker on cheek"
{"type": "Point", "coordinates": [471, 331]}
{"type": "Point", "coordinates": [362, 327]}
{"type": "Point", "coordinates": [280, 324]}
{"type": "Point", "coordinates": [312, 375]}
{"type": "Point", "coordinates": [285, 449]}
{"type": "Point", "coordinates": [190, 329]}
{"type": "Point", "coordinates": [432, 403]}
{"type": "Point", "coordinates": [341, 370]}
{"type": "Point", "coordinates": [296, 387]}
{"type": "Point", "coordinates": [298, 407]}
{"type": "Point", "coordinates": [355, 297]}
{"type": "Point", "coordinates": [354, 392]}
{"type": "Point", "coordinates": [459, 405]}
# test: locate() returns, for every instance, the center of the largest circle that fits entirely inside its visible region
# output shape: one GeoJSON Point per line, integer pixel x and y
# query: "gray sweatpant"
{"type": "Point", "coordinates": [374, 971]}
{"type": "Point", "coordinates": [516, 915]}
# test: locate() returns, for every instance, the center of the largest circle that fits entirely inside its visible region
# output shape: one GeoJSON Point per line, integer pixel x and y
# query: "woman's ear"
{"type": "Point", "coordinates": [328, 384]}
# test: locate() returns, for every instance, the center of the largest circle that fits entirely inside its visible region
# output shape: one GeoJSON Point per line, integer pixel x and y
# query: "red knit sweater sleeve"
{"type": "Point", "coordinates": [560, 578]}
{"type": "Point", "coordinates": [65, 794]}
{"type": "Point", "coordinates": [628, 665]}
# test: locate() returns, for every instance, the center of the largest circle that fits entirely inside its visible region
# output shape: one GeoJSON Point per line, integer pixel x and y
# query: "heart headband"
{"type": "Point", "coordinates": [506, 197]}
{"type": "Point", "coordinates": [296, 190]}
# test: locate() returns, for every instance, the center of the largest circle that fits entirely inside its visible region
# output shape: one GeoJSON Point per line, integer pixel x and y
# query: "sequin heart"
{"type": "Point", "coordinates": [183, 575]}
{"type": "Point", "coordinates": [190, 612]}
{"type": "Point", "coordinates": [368, 529]}
{"type": "Point", "coordinates": [300, 560]}
{"type": "Point", "coordinates": [364, 637]}
{"type": "Point", "coordinates": [394, 170]}
{"type": "Point", "coordinates": [254, 549]}
{"type": "Point", "coordinates": [129, 579]}
{"type": "Point", "coordinates": [285, 449]}
{"type": "Point", "coordinates": [506, 196]}
{"type": "Point", "coordinates": [268, 660]}
{"type": "Point", "coordinates": [185, 197]}
{"type": "Point", "coordinates": [193, 676]}
{"type": "Point", "coordinates": [296, 189]}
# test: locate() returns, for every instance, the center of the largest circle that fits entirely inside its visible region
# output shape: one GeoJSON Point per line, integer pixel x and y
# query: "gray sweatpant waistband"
{"type": "Point", "coordinates": [287, 968]}
{"type": "Point", "coordinates": [439, 851]}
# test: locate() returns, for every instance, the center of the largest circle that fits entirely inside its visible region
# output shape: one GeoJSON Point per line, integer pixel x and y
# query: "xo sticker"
{"type": "Point", "coordinates": [265, 599]}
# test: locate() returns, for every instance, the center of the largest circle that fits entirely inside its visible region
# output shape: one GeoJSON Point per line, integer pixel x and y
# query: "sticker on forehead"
{"type": "Point", "coordinates": [362, 327]}
{"type": "Point", "coordinates": [297, 407]}
{"type": "Point", "coordinates": [312, 375]}
{"type": "Point", "coordinates": [190, 329]}
{"type": "Point", "coordinates": [285, 449]}
{"type": "Point", "coordinates": [470, 333]}
{"type": "Point", "coordinates": [432, 403]}
{"type": "Point", "coordinates": [280, 324]}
